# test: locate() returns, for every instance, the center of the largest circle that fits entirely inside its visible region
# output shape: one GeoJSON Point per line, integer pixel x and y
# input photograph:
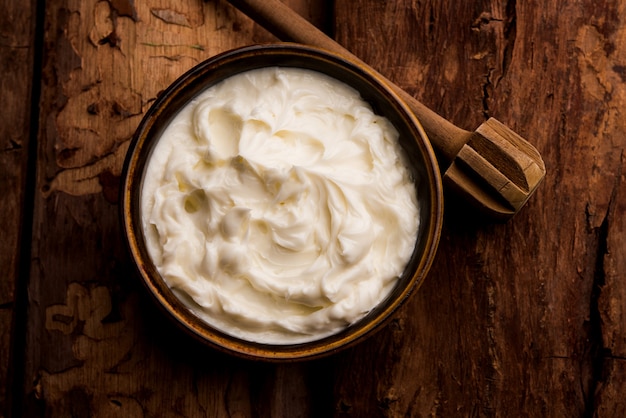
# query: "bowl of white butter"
{"type": "Point", "coordinates": [280, 202]}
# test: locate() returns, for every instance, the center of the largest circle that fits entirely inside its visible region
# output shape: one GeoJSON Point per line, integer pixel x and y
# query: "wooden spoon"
{"type": "Point", "coordinates": [493, 168]}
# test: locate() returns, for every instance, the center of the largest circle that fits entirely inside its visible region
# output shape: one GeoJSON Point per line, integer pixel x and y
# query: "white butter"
{"type": "Point", "coordinates": [277, 206]}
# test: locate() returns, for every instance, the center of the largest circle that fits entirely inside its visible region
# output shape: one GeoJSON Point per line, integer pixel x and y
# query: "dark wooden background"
{"type": "Point", "coordinates": [523, 319]}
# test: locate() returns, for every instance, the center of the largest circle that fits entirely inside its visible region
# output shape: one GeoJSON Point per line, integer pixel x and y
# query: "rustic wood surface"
{"type": "Point", "coordinates": [526, 318]}
{"type": "Point", "coordinates": [17, 24]}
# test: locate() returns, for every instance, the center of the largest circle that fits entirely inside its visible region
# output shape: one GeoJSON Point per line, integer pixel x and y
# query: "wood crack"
{"type": "Point", "coordinates": [12, 146]}
{"type": "Point", "coordinates": [596, 345]}
{"type": "Point", "coordinates": [510, 34]}
{"type": "Point", "coordinates": [598, 352]}
{"type": "Point", "coordinates": [494, 75]}
{"type": "Point", "coordinates": [486, 96]}
{"type": "Point", "coordinates": [17, 381]}
{"type": "Point", "coordinates": [7, 305]}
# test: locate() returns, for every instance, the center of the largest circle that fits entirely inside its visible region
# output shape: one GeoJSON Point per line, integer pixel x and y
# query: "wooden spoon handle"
{"type": "Point", "coordinates": [287, 25]}
{"type": "Point", "coordinates": [493, 168]}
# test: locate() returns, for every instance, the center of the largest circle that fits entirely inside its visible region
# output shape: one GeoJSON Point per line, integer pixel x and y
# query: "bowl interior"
{"type": "Point", "coordinates": [383, 101]}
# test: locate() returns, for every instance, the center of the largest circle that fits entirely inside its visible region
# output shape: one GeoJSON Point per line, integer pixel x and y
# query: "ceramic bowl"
{"type": "Point", "coordinates": [383, 101]}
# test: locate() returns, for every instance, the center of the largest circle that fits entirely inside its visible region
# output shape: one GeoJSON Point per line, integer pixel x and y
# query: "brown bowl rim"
{"type": "Point", "coordinates": [132, 176]}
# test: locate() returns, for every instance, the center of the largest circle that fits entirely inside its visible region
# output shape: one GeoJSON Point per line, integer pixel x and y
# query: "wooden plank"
{"type": "Point", "coordinates": [94, 344]}
{"type": "Point", "coordinates": [527, 318]}
{"type": "Point", "coordinates": [17, 25]}
{"type": "Point", "coordinates": [609, 299]}
{"type": "Point", "coordinates": [520, 319]}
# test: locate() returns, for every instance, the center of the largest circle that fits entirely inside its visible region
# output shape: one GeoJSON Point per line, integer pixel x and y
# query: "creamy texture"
{"type": "Point", "coordinates": [277, 206]}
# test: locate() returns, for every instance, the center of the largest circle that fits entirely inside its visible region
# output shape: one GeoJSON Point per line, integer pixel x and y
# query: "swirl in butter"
{"type": "Point", "coordinates": [278, 207]}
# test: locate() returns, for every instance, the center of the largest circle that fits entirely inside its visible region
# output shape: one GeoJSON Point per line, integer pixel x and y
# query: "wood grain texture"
{"type": "Point", "coordinates": [523, 319]}
{"type": "Point", "coordinates": [90, 345]}
{"type": "Point", "coordinates": [492, 168]}
{"type": "Point", "coordinates": [17, 26]}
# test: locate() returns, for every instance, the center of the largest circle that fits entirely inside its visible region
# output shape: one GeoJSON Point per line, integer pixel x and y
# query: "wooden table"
{"type": "Point", "coordinates": [526, 318]}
